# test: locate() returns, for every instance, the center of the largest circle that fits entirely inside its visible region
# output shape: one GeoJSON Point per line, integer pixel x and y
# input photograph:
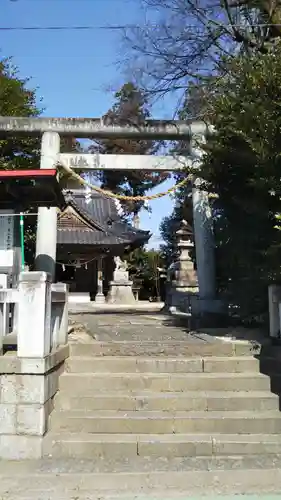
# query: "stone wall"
{"type": "Point", "coordinates": [27, 389]}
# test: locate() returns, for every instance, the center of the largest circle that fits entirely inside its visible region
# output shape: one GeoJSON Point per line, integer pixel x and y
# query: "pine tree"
{"type": "Point", "coordinates": [130, 107]}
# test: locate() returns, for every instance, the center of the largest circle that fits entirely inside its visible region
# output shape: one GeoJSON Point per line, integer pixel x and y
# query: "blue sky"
{"type": "Point", "coordinates": [76, 71]}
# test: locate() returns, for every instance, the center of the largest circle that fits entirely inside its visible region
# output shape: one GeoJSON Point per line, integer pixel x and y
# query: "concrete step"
{"type": "Point", "coordinates": [131, 446]}
{"type": "Point", "coordinates": [107, 465]}
{"type": "Point", "coordinates": [64, 494]}
{"type": "Point", "coordinates": [167, 348]}
{"type": "Point", "coordinates": [170, 401]}
{"type": "Point", "coordinates": [111, 495]}
{"type": "Point", "coordinates": [115, 364]}
{"type": "Point", "coordinates": [83, 384]}
{"type": "Point", "coordinates": [158, 422]}
{"type": "Point", "coordinates": [99, 484]}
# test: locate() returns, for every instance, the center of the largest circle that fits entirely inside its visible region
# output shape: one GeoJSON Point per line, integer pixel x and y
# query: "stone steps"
{"type": "Point", "coordinates": [120, 484]}
{"type": "Point", "coordinates": [109, 446]}
{"type": "Point", "coordinates": [109, 495]}
{"type": "Point", "coordinates": [169, 415]}
{"type": "Point", "coordinates": [64, 465]}
{"type": "Point", "coordinates": [170, 401]}
{"type": "Point", "coordinates": [173, 348]}
{"type": "Point", "coordinates": [132, 364]}
{"type": "Point", "coordinates": [89, 384]}
{"type": "Point", "coordinates": [159, 422]}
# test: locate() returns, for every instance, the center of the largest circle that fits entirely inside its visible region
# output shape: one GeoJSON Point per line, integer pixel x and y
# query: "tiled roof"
{"type": "Point", "coordinates": [95, 223]}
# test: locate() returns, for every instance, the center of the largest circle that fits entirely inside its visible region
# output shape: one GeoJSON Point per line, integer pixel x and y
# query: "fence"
{"type": "Point", "coordinates": [36, 313]}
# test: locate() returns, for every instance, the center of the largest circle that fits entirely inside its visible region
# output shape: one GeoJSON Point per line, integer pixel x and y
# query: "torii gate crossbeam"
{"type": "Point", "coordinates": [52, 128]}
{"type": "Point", "coordinates": [100, 128]}
{"type": "Point", "coordinates": [86, 161]}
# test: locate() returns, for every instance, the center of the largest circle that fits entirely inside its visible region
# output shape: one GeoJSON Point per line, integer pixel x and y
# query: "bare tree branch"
{"type": "Point", "coordinates": [184, 40]}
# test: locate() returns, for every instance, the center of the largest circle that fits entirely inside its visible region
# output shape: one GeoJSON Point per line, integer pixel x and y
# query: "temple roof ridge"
{"type": "Point", "coordinates": [100, 215]}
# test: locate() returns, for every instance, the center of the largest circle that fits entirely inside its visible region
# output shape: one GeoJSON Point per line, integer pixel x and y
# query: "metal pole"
{"type": "Point", "coordinates": [46, 240]}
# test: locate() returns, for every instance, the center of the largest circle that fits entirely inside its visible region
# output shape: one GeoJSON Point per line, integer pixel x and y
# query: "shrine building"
{"type": "Point", "coordinates": [90, 233]}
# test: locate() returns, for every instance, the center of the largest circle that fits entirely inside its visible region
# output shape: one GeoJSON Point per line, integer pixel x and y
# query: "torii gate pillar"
{"type": "Point", "coordinates": [204, 242]}
{"type": "Point", "coordinates": [46, 239]}
{"type": "Point", "coordinates": [204, 238]}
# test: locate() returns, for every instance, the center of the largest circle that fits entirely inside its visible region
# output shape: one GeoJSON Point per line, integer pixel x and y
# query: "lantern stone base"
{"type": "Point", "coordinates": [204, 312]}
{"type": "Point", "coordinates": [183, 296]}
{"type": "Point", "coordinates": [121, 292]}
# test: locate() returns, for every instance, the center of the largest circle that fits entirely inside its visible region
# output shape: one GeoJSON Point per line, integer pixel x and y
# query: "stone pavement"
{"type": "Point", "coordinates": [152, 326]}
{"type": "Point", "coordinates": [138, 327]}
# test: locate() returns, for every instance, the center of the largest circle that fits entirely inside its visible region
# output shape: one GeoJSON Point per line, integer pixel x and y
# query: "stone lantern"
{"type": "Point", "coordinates": [185, 275]}
{"type": "Point", "coordinates": [184, 285]}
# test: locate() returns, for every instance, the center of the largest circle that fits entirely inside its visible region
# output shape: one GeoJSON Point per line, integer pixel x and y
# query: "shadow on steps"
{"type": "Point", "coordinates": [269, 357]}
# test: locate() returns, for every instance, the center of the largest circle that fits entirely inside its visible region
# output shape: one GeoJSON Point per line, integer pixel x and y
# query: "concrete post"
{"type": "Point", "coordinates": [4, 321]}
{"type": "Point", "coordinates": [46, 240]}
{"type": "Point", "coordinates": [2, 328]}
{"type": "Point", "coordinates": [34, 328]}
{"type": "Point", "coordinates": [59, 314]}
{"type": "Point", "coordinates": [274, 300]}
{"type": "Point", "coordinates": [100, 298]}
{"type": "Point", "coordinates": [5, 309]}
{"type": "Point", "coordinates": [203, 231]}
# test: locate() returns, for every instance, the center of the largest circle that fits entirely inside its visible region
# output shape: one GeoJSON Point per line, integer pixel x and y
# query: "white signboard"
{"type": "Point", "coordinates": [6, 238]}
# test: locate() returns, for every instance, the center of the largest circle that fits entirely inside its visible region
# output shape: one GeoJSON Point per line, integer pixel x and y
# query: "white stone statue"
{"type": "Point", "coordinates": [120, 265]}
{"type": "Point", "coordinates": [120, 272]}
{"type": "Point", "coordinates": [121, 287]}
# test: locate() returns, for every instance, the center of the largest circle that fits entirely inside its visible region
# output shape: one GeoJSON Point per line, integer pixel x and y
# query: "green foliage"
{"type": "Point", "coordinates": [23, 152]}
{"type": "Point", "coordinates": [130, 107]}
{"type": "Point", "coordinates": [143, 266]}
{"type": "Point", "coordinates": [242, 165]}
{"type": "Point", "coordinates": [17, 100]}
{"type": "Point", "coordinates": [168, 229]}
{"type": "Point", "coordinates": [19, 152]}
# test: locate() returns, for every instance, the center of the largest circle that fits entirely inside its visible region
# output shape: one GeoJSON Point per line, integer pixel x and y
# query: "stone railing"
{"type": "Point", "coordinates": [37, 314]}
{"type": "Point", "coordinates": [8, 312]}
{"type": "Point", "coordinates": [59, 314]}
{"type": "Point", "coordinates": [274, 306]}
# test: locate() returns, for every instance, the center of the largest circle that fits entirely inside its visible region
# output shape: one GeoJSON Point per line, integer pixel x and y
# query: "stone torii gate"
{"type": "Point", "coordinates": [191, 132]}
